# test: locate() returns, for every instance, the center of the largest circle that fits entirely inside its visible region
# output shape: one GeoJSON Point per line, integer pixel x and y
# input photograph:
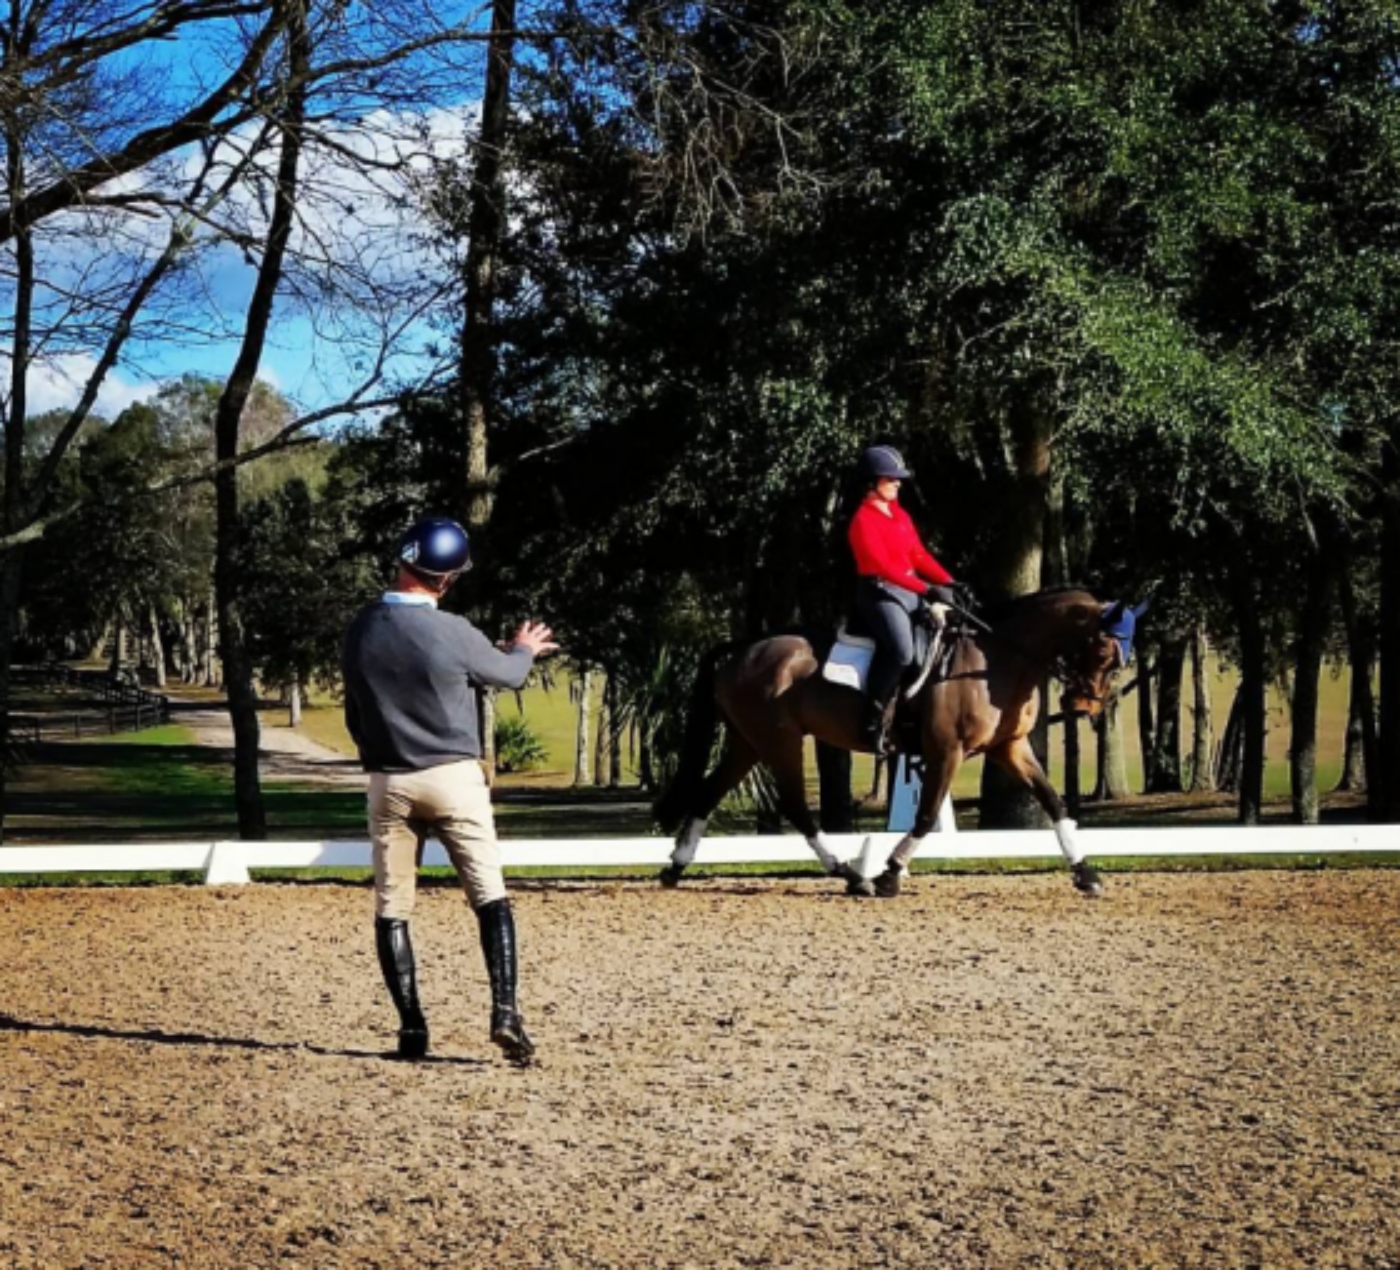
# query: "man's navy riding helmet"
{"type": "Point", "coordinates": [883, 462]}
{"type": "Point", "coordinates": [437, 547]}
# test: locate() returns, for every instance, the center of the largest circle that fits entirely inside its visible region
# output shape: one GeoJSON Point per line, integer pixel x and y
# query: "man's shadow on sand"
{"type": "Point", "coordinates": [8, 1023]}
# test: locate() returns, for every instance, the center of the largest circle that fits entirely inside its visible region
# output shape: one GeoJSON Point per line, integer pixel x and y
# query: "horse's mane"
{"type": "Point", "coordinates": [1003, 610]}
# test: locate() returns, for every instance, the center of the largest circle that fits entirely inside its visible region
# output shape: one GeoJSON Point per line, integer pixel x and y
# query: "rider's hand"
{"type": "Point", "coordinates": [937, 594]}
{"type": "Point", "coordinates": [537, 637]}
{"type": "Point", "coordinates": [965, 597]}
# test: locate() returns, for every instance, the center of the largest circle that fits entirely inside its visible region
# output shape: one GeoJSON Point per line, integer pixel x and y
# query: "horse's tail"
{"type": "Point", "coordinates": [677, 800]}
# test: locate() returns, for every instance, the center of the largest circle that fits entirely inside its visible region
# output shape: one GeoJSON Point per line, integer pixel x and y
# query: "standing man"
{"type": "Point", "coordinates": [411, 678]}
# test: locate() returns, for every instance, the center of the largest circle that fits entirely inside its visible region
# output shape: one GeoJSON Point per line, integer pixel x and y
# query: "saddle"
{"type": "Point", "coordinates": [848, 663]}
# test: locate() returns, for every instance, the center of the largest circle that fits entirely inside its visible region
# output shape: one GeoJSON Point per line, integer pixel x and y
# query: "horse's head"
{"type": "Point", "coordinates": [1089, 665]}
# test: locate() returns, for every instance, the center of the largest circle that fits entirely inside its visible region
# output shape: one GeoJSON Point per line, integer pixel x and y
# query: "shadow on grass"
{"type": "Point", "coordinates": [8, 1023]}
{"type": "Point", "coordinates": [85, 793]}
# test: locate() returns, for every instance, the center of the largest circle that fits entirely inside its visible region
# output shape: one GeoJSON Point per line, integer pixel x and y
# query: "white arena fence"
{"type": "Point", "coordinates": [228, 863]}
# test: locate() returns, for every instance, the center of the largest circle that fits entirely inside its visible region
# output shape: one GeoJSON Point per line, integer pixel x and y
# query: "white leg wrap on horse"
{"type": "Point", "coordinates": [905, 851]}
{"type": "Point", "coordinates": [823, 852]}
{"type": "Point", "coordinates": [688, 842]}
{"type": "Point", "coordinates": [1069, 846]}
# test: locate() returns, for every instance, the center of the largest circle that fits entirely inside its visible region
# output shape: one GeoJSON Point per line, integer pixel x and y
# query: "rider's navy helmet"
{"type": "Point", "coordinates": [883, 462]}
{"type": "Point", "coordinates": [437, 547]}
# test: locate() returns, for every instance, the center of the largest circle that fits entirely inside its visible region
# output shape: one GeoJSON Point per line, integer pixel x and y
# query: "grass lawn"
{"type": "Point", "coordinates": [158, 785]}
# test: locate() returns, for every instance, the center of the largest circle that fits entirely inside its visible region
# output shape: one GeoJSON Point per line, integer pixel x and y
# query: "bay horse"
{"type": "Point", "coordinates": [770, 694]}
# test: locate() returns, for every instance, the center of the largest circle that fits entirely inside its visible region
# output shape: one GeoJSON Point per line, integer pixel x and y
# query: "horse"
{"type": "Point", "coordinates": [768, 695]}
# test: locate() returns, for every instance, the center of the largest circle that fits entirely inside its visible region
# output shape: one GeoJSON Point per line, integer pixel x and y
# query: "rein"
{"type": "Point", "coordinates": [1055, 669]}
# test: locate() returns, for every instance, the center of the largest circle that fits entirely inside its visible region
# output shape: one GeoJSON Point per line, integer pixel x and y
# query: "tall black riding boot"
{"type": "Point", "coordinates": [401, 975]}
{"type": "Point", "coordinates": [875, 727]}
{"type": "Point", "coordinates": [498, 946]}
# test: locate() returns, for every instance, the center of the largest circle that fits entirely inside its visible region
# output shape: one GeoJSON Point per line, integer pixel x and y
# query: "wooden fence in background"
{"type": "Point", "coordinates": [116, 706]}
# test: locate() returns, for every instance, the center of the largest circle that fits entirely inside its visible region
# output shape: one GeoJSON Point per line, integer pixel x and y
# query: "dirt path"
{"type": "Point", "coordinates": [1197, 1073]}
{"type": "Point", "coordinates": [286, 755]}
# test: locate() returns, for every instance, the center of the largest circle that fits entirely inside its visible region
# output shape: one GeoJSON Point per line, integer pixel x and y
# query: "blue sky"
{"type": "Point", "coordinates": [367, 219]}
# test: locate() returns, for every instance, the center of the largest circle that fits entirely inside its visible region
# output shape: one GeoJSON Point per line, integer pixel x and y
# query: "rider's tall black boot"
{"type": "Point", "coordinates": [401, 975]}
{"type": "Point", "coordinates": [498, 946]}
{"type": "Point", "coordinates": [875, 727]}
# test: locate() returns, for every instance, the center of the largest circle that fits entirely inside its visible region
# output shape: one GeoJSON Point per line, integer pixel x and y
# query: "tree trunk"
{"type": "Point", "coordinates": [486, 705]}
{"type": "Point", "coordinates": [1166, 747]}
{"type": "Point", "coordinates": [1147, 731]}
{"type": "Point", "coordinates": [1360, 712]}
{"type": "Point", "coordinates": [157, 648]}
{"type": "Point", "coordinates": [1111, 756]}
{"type": "Point", "coordinates": [486, 220]}
{"type": "Point", "coordinates": [1253, 700]}
{"type": "Point", "coordinates": [1307, 670]}
{"type": "Point", "coordinates": [238, 667]}
{"type": "Point", "coordinates": [1362, 708]}
{"type": "Point", "coordinates": [602, 733]}
{"type": "Point", "coordinates": [294, 703]}
{"type": "Point", "coordinates": [1227, 763]}
{"type": "Point", "coordinates": [210, 673]}
{"type": "Point", "coordinates": [1353, 777]}
{"type": "Point", "coordinates": [118, 657]}
{"type": "Point", "coordinates": [1384, 778]}
{"type": "Point", "coordinates": [1013, 569]}
{"type": "Point", "coordinates": [99, 645]}
{"type": "Point", "coordinates": [1072, 792]}
{"type": "Point", "coordinates": [582, 751]}
{"type": "Point", "coordinates": [616, 733]}
{"type": "Point", "coordinates": [14, 494]}
{"type": "Point", "coordinates": [836, 813]}
{"type": "Point", "coordinates": [10, 573]}
{"type": "Point", "coordinates": [1202, 740]}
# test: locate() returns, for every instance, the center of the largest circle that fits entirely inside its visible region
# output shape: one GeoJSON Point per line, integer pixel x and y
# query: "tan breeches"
{"type": "Point", "coordinates": [451, 803]}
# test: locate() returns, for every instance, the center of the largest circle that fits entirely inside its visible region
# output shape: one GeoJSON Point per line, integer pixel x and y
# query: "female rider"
{"type": "Point", "coordinates": [895, 573]}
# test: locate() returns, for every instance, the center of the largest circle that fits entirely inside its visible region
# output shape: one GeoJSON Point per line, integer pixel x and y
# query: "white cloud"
{"type": "Point", "coordinates": [57, 383]}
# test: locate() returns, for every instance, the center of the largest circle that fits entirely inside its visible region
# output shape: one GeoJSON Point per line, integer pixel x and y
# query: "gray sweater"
{"type": "Point", "coordinates": [411, 674]}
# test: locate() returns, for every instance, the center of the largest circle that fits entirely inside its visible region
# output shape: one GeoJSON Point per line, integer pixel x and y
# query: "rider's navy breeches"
{"type": "Point", "coordinates": [885, 612]}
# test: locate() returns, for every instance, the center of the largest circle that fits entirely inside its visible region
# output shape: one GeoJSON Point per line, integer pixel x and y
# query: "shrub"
{"type": "Point", "coordinates": [518, 748]}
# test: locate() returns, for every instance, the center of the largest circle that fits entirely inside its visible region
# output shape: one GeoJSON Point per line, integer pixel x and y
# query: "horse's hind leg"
{"type": "Point", "coordinates": [939, 770]}
{"type": "Point", "coordinates": [1019, 759]}
{"type": "Point", "coordinates": [736, 761]}
{"type": "Point", "coordinates": [784, 756]}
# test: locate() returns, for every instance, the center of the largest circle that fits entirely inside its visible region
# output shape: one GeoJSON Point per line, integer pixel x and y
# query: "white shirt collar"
{"type": "Point", "coordinates": [410, 597]}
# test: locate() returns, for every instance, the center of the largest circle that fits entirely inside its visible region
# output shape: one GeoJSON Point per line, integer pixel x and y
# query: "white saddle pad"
{"type": "Point", "coordinates": [848, 663]}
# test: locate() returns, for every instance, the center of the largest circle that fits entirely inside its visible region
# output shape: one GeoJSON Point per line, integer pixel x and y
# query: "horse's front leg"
{"type": "Point", "coordinates": [1019, 759]}
{"type": "Point", "coordinates": [736, 762]}
{"type": "Point", "coordinates": [940, 766]}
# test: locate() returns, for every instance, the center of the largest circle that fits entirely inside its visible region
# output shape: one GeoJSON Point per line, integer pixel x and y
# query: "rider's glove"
{"type": "Point", "coordinates": [937, 594]}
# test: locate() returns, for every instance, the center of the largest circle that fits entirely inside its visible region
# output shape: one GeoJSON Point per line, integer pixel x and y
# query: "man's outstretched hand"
{"type": "Point", "coordinates": [537, 637]}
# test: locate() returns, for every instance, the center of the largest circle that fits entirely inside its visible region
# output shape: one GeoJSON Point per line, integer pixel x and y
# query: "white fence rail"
{"type": "Point", "coordinates": [228, 863]}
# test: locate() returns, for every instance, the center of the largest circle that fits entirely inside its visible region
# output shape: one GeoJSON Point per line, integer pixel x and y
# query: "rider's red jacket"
{"type": "Point", "coordinates": [888, 547]}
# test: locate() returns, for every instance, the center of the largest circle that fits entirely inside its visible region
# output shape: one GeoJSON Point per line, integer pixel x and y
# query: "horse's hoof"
{"type": "Point", "coordinates": [670, 876]}
{"type": "Point", "coordinates": [1086, 880]}
{"type": "Point", "coordinates": [861, 888]}
{"type": "Point", "coordinates": [888, 883]}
